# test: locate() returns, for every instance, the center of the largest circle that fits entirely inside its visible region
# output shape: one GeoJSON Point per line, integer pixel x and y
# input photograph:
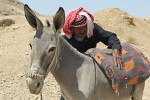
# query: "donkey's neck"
{"type": "Point", "coordinates": [66, 50]}
{"type": "Point", "coordinates": [67, 61]}
{"type": "Point", "coordinates": [66, 54]}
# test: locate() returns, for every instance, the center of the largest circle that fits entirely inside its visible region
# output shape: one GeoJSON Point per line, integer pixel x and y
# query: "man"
{"type": "Point", "coordinates": [82, 33]}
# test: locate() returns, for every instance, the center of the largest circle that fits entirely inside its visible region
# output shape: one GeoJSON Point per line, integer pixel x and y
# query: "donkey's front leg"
{"type": "Point", "coordinates": [138, 93]}
{"type": "Point", "coordinates": [62, 98]}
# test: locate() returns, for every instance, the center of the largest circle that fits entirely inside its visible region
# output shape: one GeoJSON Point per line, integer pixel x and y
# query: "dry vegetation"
{"type": "Point", "coordinates": [6, 22]}
{"type": "Point", "coordinates": [15, 34]}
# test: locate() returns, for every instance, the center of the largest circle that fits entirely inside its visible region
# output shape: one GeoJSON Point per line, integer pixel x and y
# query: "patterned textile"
{"type": "Point", "coordinates": [75, 15]}
{"type": "Point", "coordinates": [136, 66]}
{"type": "Point", "coordinates": [79, 21]}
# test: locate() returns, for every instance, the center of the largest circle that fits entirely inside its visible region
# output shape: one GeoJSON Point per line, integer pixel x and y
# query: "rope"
{"type": "Point", "coordinates": [95, 76]}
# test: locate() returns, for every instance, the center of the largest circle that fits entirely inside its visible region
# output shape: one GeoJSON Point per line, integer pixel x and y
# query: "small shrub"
{"type": "Point", "coordinates": [6, 22]}
{"type": "Point", "coordinates": [131, 40]}
{"type": "Point", "coordinates": [129, 19]}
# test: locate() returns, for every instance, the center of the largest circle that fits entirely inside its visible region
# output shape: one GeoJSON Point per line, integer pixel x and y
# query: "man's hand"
{"type": "Point", "coordinates": [117, 58]}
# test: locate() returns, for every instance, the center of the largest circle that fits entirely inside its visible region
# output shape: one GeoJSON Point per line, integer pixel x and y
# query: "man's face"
{"type": "Point", "coordinates": [79, 31]}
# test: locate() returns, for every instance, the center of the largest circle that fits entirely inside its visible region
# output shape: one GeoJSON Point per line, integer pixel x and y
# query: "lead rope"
{"type": "Point", "coordinates": [57, 67]}
{"type": "Point", "coordinates": [41, 97]}
{"type": "Point", "coordinates": [95, 76]}
{"type": "Point", "coordinates": [88, 54]}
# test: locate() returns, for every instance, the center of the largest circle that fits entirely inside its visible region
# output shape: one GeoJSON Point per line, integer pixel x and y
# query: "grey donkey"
{"type": "Point", "coordinates": [78, 76]}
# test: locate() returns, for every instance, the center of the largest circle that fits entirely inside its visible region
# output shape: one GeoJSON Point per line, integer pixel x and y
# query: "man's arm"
{"type": "Point", "coordinates": [110, 39]}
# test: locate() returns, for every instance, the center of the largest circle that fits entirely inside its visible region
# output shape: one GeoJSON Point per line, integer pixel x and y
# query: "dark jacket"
{"type": "Point", "coordinates": [99, 35]}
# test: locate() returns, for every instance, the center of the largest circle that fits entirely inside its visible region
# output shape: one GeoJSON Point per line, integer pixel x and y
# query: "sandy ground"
{"type": "Point", "coordinates": [15, 52]}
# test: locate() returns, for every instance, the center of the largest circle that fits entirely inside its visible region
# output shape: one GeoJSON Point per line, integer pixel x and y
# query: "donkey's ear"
{"type": "Point", "coordinates": [59, 18]}
{"type": "Point", "coordinates": [32, 18]}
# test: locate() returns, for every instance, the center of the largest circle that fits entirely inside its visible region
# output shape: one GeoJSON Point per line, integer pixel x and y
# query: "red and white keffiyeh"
{"type": "Point", "coordinates": [77, 14]}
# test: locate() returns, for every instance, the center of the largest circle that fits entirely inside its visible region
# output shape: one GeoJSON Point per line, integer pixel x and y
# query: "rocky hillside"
{"type": "Point", "coordinates": [128, 28]}
{"type": "Point", "coordinates": [11, 7]}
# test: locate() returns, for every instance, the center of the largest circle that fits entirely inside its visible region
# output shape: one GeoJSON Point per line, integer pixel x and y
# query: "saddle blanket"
{"type": "Point", "coordinates": [136, 67]}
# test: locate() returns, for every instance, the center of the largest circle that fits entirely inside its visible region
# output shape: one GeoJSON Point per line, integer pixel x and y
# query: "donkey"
{"type": "Point", "coordinates": [77, 75]}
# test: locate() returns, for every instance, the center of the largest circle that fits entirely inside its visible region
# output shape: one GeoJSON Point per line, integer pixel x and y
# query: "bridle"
{"type": "Point", "coordinates": [35, 76]}
{"type": "Point", "coordinates": [40, 76]}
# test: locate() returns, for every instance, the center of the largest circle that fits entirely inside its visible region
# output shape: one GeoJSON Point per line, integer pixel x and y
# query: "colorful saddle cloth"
{"type": "Point", "coordinates": [136, 66]}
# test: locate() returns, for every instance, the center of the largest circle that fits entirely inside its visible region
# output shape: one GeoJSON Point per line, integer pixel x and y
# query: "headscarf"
{"type": "Point", "coordinates": [75, 15]}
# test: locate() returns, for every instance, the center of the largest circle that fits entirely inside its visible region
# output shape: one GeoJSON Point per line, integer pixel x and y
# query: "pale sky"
{"type": "Point", "coordinates": [138, 8]}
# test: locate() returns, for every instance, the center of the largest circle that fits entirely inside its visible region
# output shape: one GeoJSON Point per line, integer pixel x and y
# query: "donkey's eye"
{"type": "Point", "coordinates": [51, 49]}
{"type": "Point", "coordinates": [30, 46]}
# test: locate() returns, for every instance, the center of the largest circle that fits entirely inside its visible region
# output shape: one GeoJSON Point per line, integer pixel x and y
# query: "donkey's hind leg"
{"type": "Point", "coordinates": [138, 93]}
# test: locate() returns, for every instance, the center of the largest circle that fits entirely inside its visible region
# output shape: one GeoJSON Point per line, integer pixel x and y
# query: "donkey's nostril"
{"type": "Point", "coordinates": [38, 84]}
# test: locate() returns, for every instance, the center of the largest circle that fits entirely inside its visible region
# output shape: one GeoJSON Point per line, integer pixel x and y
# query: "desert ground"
{"type": "Point", "coordinates": [16, 33]}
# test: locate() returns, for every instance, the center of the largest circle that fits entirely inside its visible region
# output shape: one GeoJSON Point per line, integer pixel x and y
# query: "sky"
{"type": "Point", "coordinates": [138, 8]}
